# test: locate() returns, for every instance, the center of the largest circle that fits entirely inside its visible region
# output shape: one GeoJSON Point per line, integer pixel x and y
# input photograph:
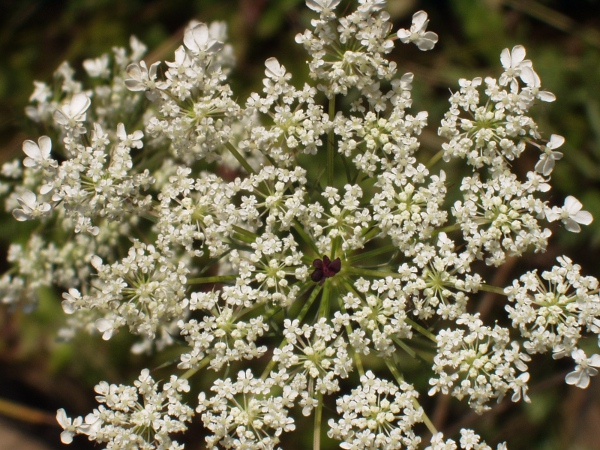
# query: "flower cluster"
{"type": "Point", "coordinates": [138, 416]}
{"type": "Point", "coordinates": [309, 247]}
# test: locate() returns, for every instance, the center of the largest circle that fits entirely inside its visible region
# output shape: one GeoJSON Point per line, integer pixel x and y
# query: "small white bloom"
{"type": "Point", "coordinates": [570, 214]}
{"type": "Point", "coordinates": [142, 78]}
{"type": "Point", "coordinates": [424, 40]}
{"type": "Point", "coordinates": [71, 427]}
{"type": "Point", "coordinates": [106, 327]}
{"type": "Point", "coordinates": [30, 208]}
{"type": "Point", "coordinates": [513, 62]}
{"type": "Point", "coordinates": [133, 140]}
{"type": "Point", "coordinates": [274, 70]}
{"type": "Point", "coordinates": [38, 155]}
{"type": "Point", "coordinates": [97, 67]}
{"type": "Point", "coordinates": [199, 42]}
{"type": "Point", "coordinates": [585, 368]}
{"type": "Point", "coordinates": [546, 163]}
{"type": "Point", "coordinates": [324, 7]}
{"type": "Point", "coordinates": [73, 112]}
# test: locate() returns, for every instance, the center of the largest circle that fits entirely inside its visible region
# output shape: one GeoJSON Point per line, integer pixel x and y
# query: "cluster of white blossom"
{"type": "Point", "coordinates": [133, 417]}
{"type": "Point", "coordinates": [287, 236]}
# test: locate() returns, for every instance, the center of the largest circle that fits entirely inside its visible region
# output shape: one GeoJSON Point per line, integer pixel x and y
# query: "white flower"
{"type": "Point", "coordinates": [106, 327]}
{"type": "Point", "coordinates": [73, 112]}
{"type": "Point", "coordinates": [513, 62]}
{"type": "Point", "coordinates": [546, 163]}
{"type": "Point", "coordinates": [97, 67]}
{"type": "Point", "coordinates": [70, 427]}
{"type": "Point", "coordinates": [199, 42]}
{"type": "Point", "coordinates": [570, 214]}
{"type": "Point", "coordinates": [30, 208]}
{"type": "Point", "coordinates": [417, 34]}
{"type": "Point", "coordinates": [324, 7]}
{"type": "Point", "coordinates": [38, 155]}
{"type": "Point", "coordinates": [533, 82]}
{"type": "Point", "coordinates": [142, 78]}
{"type": "Point", "coordinates": [274, 70]}
{"type": "Point", "coordinates": [133, 140]}
{"type": "Point", "coordinates": [585, 368]}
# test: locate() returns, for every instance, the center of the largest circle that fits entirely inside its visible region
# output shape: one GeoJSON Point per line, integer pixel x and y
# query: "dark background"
{"type": "Point", "coordinates": [563, 41]}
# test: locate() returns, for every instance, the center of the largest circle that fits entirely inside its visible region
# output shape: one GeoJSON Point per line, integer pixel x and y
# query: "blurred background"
{"type": "Point", "coordinates": [562, 38]}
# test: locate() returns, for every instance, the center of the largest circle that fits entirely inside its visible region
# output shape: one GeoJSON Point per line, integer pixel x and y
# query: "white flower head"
{"type": "Point", "coordinates": [546, 163]}
{"type": "Point", "coordinates": [38, 155]}
{"type": "Point", "coordinates": [97, 67]}
{"type": "Point", "coordinates": [323, 7]}
{"type": "Point", "coordinates": [424, 40]}
{"type": "Point", "coordinates": [585, 368]}
{"type": "Point", "coordinates": [273, 69]}
{"type": "Point", "coordinates": [30, 208]}
{"type": "Point", "coordinates": [106, 327]}
{"type": "Point", "coordinates": [142, 78]}
{"type": "Point", "coordinates": [70, 426]}
{"type": "Point", "coordinates": [514, 63]}
{"type": "Point", "coordinates": [73, 112]}
{"type": "Point", "coordinates": [133, 140]}
{"type": "Point", "coordinates": [197, 39]}
{"type": "Point", "coordinates": [570, 214]}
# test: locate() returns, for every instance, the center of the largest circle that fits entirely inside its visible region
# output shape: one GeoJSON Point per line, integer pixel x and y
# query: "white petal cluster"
{"type": "Point", "coordinates": [553, 309]}
{"type": "Point", "coordinates": [571, 214]}
{"type": "Point", "coordinates": [377, 414]}
{"type": "Point", "coordinates": [479, 363]}
{"type": "Point", "coordinates": [247, 413]}
{"type": "Point", "coordinates": [424, 40]}
{"type": "Point", "coordinates": [141, 416]}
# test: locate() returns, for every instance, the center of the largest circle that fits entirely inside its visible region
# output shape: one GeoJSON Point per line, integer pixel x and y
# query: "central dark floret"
{"type": "Point", "coordinates": [325, 268]}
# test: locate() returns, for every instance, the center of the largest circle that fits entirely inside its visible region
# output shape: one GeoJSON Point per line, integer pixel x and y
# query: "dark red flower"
{"type": "Point", "coordinates": [325, 268]}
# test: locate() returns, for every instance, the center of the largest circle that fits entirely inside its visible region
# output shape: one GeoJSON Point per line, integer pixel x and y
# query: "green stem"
{"type": "Point", "coordinates": [201, 365]}
{"type": "Point", "coordinates": [493, 289]}
{"type": "Point", "coordinates": [372, 253]}
{"type": "Point", "coordinates": [372, 233]}
{"type": "Point", "coordinates": [215, 279]}
{"type": "Point", "coordinates": [304, 235]}
{"type": "Point", "coordinates": [435, 158]}
{"type": "Point", "coordinates": [405, 347]}
{"type": "Point", "coordinates": [449, 228]}
{"type": "Point", "coordinates": [330, 143]}
{"type": "Point", "coordinates": [399, 379]}
{"type": "Point", "coordinates": [300, 317]}
{"type": "Point", "coordinates": [318, 420]}
{"type": "Point", "coordinates": [324, 306]}
{"type": "Point", "coordinates": [370, 273]}
{"type": "Point", "coordinates": [240, 158]}
{"type": "Point", "coordinates": [428, 334]}
{"type": "Point", "coordinates": [355, 355]}
{"type": "Point", "coordinates": [244, 235]}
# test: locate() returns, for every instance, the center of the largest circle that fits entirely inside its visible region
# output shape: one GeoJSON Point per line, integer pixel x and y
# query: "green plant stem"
{"type": "Point", "coordinates": [370, 273]}
{"type": "Point", "coordinates": [215, 279]}
{"type": "Point", "coordinates": [313, 295]}
{"type": "Point", "coordinates": [435, 158]}
{"type": "Point", "coordinates": [493, 289]}
{"type": "Point", "coordinates": [428, 334]}
{"type": "Point", "coordinates": [201, 365]}
{"type": "Point", "coordinates": [355, 355]}
{"type": "Point", "coordinates": [400, 379]}
{"type": "Point", "coordinates": [447, 229]}
{"type": "Point", "coordinates": [240, 158]}
{"type": "Point", "coordinates": [300, 230]}
{"type": "Point", "coordinates": [372, 253]}
{"type": "Point", "coordinates": [330, 143]}
{"type": "Point", "coordinates": [318, 420]}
